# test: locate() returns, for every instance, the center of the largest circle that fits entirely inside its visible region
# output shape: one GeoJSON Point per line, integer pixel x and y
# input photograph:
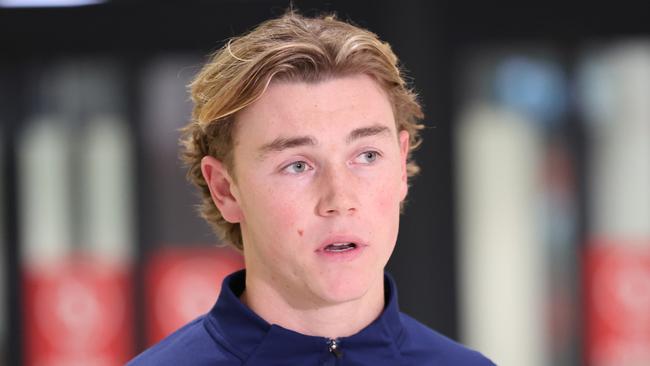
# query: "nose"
{"type": "Point", "coordinates": [338, 193]}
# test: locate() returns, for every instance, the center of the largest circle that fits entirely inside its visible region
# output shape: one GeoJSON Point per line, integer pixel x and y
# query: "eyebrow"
{"type": "Point", "coordinates": [283, 143]}
{"type": "Point", "coordinates": [362, 132]}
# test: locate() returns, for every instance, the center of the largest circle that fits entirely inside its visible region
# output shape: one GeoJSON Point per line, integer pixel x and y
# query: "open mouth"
{"type": "Point", "coordinates": [340, 247]}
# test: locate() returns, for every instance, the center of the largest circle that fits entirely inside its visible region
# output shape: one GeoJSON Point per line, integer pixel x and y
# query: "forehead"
{"type": "Point", "coordinates": [333, 105]}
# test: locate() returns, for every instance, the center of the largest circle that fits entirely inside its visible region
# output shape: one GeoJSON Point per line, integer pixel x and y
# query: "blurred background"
{"type": "Point", "coordinates": [526, 236]}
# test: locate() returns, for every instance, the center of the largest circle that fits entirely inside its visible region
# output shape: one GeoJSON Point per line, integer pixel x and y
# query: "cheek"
{"type": "Point", "coordinates": [384, 206]}
{"type": "Point", "coordinates": [386, 197]}
{"type": "Point", "coordinates": [278, 209]}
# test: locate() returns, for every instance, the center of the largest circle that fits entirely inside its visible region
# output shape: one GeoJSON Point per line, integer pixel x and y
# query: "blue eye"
{"type": "Point", "coordinates": [296, 167]}
{"type": "Point", "coordinates": [369, 156]}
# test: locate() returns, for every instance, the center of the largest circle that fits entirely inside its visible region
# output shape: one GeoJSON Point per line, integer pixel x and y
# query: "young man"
{"type": "Point", "coordinates": [300, 141]}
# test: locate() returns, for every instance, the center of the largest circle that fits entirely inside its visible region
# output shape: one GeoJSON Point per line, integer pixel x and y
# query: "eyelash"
{"type": "Point", "coordinates": [287, 168]}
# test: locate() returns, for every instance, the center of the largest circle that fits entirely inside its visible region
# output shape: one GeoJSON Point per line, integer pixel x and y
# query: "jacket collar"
{"type": "Point", "coordinates": [242, 332]}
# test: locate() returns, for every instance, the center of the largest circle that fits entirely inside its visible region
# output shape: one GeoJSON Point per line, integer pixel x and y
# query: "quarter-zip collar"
{"type": "Point", "coordinates": [242, 332]}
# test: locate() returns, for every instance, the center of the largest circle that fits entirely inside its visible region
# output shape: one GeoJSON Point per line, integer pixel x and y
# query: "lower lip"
{"type": "Point", "coordinates": [344, 256]}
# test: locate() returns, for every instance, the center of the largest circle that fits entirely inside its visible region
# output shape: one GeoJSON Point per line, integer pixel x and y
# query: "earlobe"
{"type": "Point", "coordinates": [221, 188]}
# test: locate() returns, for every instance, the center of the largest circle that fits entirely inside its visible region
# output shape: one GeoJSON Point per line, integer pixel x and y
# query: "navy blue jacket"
{"type": "Point", "coordinates": [231, 334]}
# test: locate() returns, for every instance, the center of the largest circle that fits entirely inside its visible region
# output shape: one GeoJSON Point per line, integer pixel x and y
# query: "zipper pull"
{"type": "Point", "coordinates": [333, 345]}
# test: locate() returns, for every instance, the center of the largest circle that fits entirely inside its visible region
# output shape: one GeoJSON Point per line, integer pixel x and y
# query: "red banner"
{"type": "Point", "coordinates": [183, 283]}
{"type": "Point", "coordinates": [78, 312]}
{"type": "Point", "coordinates": [617, 301]}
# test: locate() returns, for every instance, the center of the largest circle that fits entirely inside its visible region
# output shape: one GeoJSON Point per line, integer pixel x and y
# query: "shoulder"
{"type": "Point", "coordinates": [190, 345]}
{"type": "Point", "coordinates": [428, 347]}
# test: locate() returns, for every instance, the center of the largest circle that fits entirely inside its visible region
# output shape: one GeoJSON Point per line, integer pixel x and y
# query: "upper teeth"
{"type": "Point", "coordinates": [339, 247]}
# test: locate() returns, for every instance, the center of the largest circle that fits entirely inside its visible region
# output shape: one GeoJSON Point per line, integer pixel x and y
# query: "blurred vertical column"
{"type": "Point", "coordinates": [516, 210]}
{"type": "Point", "coordinates": [501, 273]}
{"type": "Point", "coordinates": [105, 161]}
{"type": "Point", "coordinates": [184, 266]}
{"type": "Point", "coordinates": [615, 94]}
{"type": "Point", "coordinates": [75, 199]}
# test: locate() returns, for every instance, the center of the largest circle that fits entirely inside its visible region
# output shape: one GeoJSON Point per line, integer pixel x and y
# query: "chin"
{"type": "Point", "coordinates": [344, 287]}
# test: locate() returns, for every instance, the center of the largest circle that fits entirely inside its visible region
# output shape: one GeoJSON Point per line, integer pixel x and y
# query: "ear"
{"type": "Point", "coordinates": [222, 189]}
{"type": "Point", "coordinates": [404, 151]}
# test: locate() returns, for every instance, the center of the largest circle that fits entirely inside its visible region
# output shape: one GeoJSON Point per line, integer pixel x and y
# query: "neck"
{"type": "Point", "coordinates": [330, 320]}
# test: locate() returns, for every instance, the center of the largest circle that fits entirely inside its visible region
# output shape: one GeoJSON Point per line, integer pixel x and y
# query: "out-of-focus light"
{"type": "Point", "coordinates": [533, 86]}
{"type": "Point", "coordinates": [47, 3]}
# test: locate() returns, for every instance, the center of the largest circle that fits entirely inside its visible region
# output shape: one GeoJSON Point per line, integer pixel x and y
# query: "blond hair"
{"type": "Point", "coordinates": [292, 48]}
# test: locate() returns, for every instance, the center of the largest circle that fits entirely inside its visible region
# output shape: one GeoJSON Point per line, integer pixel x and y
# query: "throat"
{"type": "Point", "coordinates": [298, 314]}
